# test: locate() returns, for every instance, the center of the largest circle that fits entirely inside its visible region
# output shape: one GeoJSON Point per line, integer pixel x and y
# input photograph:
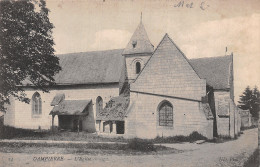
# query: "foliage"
{"type": "Point", "coordinates": [26, 49]}
{"type": "Point", "coordinates": [253, 160]}
{"type": "Point", "coordinates": [141, 145]}
{"type": "Point", "coordinates": [8, 132]}
{"type": "Point", "coordinates": [250, 100]}
{"type": "Point", "coordinates": [194, 136]}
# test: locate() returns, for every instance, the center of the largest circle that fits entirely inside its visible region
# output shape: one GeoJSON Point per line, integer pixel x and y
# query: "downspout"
{"type": "Point", "coordinates": [229, 120]}
{"type": "Point", "coordinates": [234, 123]}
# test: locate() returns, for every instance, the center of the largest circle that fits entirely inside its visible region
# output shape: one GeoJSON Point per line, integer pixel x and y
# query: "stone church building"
{"type": "Point", "coordinates": [139, 91]}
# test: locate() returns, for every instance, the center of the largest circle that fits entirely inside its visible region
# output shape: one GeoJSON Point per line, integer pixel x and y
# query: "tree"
{"type": "Point", "coordinates": [26, 49]}
{"type": "Point", "coordinates": [250, 100]}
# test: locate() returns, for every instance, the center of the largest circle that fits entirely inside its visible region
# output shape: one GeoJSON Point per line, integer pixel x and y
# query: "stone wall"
{"type": "Point", "coordinates": [142, 120]}
{"type": "Point", "coordinates": [168, 72]}
{"type": "Point", "coordinates": [9, 116]}
{"type": "Point", "coordinates": [23, 112]}
{"type": "Point", "coordinates": [222, 99]}
{"type": "Point", "coordinates": [88, 122]}
{"type": "Point", "coordinates": [131, 62]}
{"type": "Point", "coordinates": [228, 117]}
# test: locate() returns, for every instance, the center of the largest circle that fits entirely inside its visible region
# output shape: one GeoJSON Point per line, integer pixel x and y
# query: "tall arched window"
{"type": "Point", "coordinates": [99, 104]}
{"type": "Point", "coordinates": [36, 104]}
{"type": "Point", "coordinates": [137, 67]}
{"type": "Point", "coordinates": [165, 114]}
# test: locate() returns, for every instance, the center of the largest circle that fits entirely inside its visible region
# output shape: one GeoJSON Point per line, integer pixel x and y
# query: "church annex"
{"type": "Point", "coordinates": [139, 91]}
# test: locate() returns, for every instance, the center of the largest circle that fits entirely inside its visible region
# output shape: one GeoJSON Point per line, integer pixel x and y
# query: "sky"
{"type": "Point", "coordinates": [200, 28]}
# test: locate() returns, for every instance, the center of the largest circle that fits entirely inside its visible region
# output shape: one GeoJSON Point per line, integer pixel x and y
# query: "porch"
{"type": "Point", "coordinates": [110, 127]}
{"type": "Point", "coordinates": [74, 115]}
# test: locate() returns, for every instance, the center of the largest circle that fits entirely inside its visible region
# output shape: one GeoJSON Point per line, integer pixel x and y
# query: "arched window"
{"type": "Point", "coordinates": [99, 104]}
{"type": "Point", "coordinates": [137, 67]}
{"type": "Point", "coordinates": [165, 114]}
{"type": "Point", "coordinates": [36, 104]}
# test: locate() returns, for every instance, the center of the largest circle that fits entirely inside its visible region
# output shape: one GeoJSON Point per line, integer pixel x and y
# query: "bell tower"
{"type": "Point", "coordinates": [137, 52]}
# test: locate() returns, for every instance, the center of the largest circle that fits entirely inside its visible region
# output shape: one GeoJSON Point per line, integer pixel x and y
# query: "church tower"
{"type": "Point", "coordinates": [137, 52]}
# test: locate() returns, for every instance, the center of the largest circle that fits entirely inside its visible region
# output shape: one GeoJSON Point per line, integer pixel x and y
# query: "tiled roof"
{"type": "Point", "coordinates": [216, 70]}
{"type": "Point", "coordinates": [108, 66]}
{"type": "Point", "coordinates": [139, 42]}
{"type": "Point", "coordinates": [90, 67]}
{"type": "Point", "coordinates": [115, 110]}
{"type": "Point", "coordinates": [57, 99]}
{"type": "Point", "coordinates": [70, 107]}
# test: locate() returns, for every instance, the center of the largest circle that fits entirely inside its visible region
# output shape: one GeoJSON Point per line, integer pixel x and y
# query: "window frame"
{"type": "Point", "coordinates": [165, 114]}
{"type": "Point", "coordinates": [36, 104]}
{"type": "Point", "coordinates": [99, 104]}
{"type": "Point", "coordinates": [137, 67]}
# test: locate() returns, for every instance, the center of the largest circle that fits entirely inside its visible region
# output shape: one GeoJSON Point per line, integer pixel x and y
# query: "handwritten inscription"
{"type": "Point", "coordinates": [184, 4]}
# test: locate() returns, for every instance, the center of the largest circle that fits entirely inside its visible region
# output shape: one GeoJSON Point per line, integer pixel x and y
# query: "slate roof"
{"type": "Point", "coordinates": [70, 107]}
{"type": "Point", "coordinates": [90, 67]}
{"type": "Point", "coordinates": [115, 110]}
{"type": "Point", "coordinates": [216, 70]}
{"type": "Point", "coordinates": [140, 40]}
{"type": "Point", "coordinates": [57, 99]}
{"type": "Point", "coordinates": [108, 66]}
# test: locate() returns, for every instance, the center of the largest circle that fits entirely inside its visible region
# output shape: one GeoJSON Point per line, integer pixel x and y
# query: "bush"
{"type": "Point", "coordinates": [253, 160]}
{"type": "Point", "coordinates": [141, 145]}
{"type": "Point", "coordinates": [250, 127]}
{"type": "Point", "coordinates": [8, 132]}
{"type": "Point", "coordinates": [194, 136]}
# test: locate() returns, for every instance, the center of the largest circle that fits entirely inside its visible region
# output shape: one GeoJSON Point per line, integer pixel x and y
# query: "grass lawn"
{"type": "Point", "coordinates": [25, 134]}
{"type": "Point", "coordinates": [91, 148]}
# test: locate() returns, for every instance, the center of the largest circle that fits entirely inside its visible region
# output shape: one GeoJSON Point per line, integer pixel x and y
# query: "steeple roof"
{"type": "Point", "coordinates": [139, 42]}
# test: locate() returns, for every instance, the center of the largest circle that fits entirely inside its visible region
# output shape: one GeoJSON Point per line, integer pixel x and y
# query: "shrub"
{"type": "Point", "coordinates": [250, 127]}
{"type": "Point", "coordinates": [8, 132]}
{"type": "Point", "coordinates": [194, 136]}
{"type": "Point", "coordinates": [141, 145]}
{"type": "Point", "coordinates": [253, 160]}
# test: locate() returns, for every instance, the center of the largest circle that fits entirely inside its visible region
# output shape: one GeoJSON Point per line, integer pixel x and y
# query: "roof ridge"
{"type": "Point", "coordinates": [94, 51]}
{"type": "Point", "coordinates": [210, 57]}
{"type": "Point", "coordinates": [139, 42]}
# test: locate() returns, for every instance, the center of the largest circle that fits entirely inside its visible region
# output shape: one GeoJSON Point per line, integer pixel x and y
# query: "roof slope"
{"type": "Point", "coordinates": [70, 107]}
{"type": "Point", "coordinates": [115, 110]}
{"type": "Point", "coordinates": [90, 67]}
{"type": "Point", "coordinates": [140, 40]}
{"type": "Point", "coordinates": [216, 70]}
{"type": "Point", "coordinates": [59, 97]}
{"type": "Point", "coordinates": [169, 68]}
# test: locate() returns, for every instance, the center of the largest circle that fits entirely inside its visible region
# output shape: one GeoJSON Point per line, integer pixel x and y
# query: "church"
{"type": "Point", "coordinates": [139, 91]}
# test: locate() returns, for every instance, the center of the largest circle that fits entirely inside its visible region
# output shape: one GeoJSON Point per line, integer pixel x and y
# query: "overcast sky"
{"type": "Point", "coordinates": [204, 30]}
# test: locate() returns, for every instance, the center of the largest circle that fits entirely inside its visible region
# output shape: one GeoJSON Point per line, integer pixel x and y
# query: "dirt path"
{"type": "Point", "coordinates": [232, 153]}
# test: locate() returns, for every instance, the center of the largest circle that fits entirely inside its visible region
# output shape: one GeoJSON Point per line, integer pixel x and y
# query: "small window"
{"type": "Point", "coordinates": [137, 67]}
{"type": "Point", "coordinates": [36, 104]}
{"type": "Point", "coordinates": [99, 104]}
{"type": "Point", "coordinates": [165, 114]}
{"type": "Point", "coordinates": [134, 43]}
